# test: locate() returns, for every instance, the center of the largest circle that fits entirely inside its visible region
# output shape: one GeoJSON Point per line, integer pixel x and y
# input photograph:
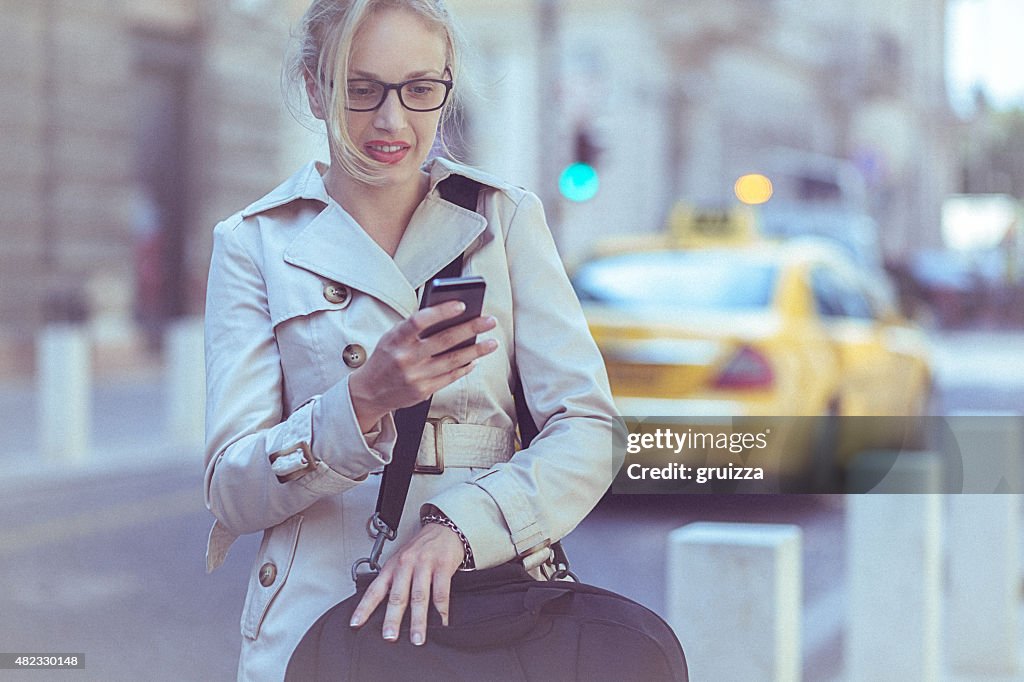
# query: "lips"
{"type": "Point", "coordinates": [385, 151]}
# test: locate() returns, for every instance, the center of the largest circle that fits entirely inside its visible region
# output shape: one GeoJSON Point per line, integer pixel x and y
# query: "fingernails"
{"type": "Point", "coordinates": [490, 344]}
{"type": "Point", "coordinates": [459, 307]}
{"type": "Point", "coordinates": [354, 622]}
{"type": "Point", "coordinates": [390, 634]}
{"type": "Point", "coordinates": [417, 639]}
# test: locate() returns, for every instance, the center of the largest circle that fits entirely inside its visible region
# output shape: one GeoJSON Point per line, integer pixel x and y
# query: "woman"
{"type": "Point", "coordinates": [313, 343]}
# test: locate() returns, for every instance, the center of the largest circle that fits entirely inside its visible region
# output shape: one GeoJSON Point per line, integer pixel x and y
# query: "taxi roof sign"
{"type": "Point", "coordinates": [697, 227]}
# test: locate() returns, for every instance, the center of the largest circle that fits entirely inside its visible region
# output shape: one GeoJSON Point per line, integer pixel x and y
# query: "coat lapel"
{"type": "Point", "coordinates": [334, 246]}
{"type": "Point", "coordinates": [438, 232]}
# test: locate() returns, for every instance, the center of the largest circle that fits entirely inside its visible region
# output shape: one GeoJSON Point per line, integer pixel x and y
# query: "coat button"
{"type": "Point", "coordinates": [354, 355]}
{"type": "Point", "coordinates": [337, 293]}
{"type": "Point", "coordinates": [268, 573]}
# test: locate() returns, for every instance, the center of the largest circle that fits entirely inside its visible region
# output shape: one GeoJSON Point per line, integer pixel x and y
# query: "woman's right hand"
{"type": "Point", "coordinates": [402, 369]}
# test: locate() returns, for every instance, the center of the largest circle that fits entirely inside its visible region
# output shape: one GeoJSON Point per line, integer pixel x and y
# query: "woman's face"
{"type": "Point", "coordinates": [394, 46]}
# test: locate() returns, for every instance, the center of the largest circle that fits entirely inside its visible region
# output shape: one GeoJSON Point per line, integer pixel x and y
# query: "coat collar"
{"type": "Point", "coordinates": [306, 183]}
{"type": "Point", "coordinates": [334, 246]}
{"type": "Point", "coordinates": [440, 168]}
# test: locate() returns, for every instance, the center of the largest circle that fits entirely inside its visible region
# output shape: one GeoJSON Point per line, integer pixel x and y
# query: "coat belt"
{"type": "Point", "coordinates": [446, 443]}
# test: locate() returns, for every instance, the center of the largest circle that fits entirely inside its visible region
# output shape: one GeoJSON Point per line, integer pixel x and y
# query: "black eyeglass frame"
{"type": "Point", "coordinates": [397, 87]}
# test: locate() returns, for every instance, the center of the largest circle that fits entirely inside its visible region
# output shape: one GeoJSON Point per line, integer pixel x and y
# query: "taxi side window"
{"type": "Point", "coordinates": [836, 297]}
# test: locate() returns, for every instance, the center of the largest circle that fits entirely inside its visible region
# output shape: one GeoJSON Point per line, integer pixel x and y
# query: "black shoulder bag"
{"type": "Point", "coordinates": [503, 624]}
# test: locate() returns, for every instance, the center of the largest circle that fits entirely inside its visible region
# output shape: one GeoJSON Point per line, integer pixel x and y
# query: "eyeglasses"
{"type": "Point", "coordinates": [420, 94]}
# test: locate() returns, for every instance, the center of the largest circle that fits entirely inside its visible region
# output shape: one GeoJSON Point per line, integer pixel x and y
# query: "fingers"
{"type": "Point", "coordinates": [407, 590]}
{"type": "Point", "coordinates": [446, 362]}
{"type": "Point", "coordinates": [458, 364]}
{"type": "Point", "coordinates": [422, 320]}
{"type": "Point", "coordinates": [423, 325]}
{"type": "Point", "coordinates": [442, 341]}
{"type": "Point", "coordinates": [398, 600]}
{"type": "Point", "coordinates": [373, 596]}
{"type": "Point", "coordinates": [441, 370]}
{"type": "Point", "coordinates": [430, 368]}
{"type": "Point", "coordinates": [442, 593]}
{"type": "Point", "coordinates": [419, 601]}
{"type": "Point", "coordinates": [404, 369]}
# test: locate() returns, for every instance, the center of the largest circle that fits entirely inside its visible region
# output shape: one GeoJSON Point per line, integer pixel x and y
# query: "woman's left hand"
{"type": "Point", "coordinates": [418, 574]}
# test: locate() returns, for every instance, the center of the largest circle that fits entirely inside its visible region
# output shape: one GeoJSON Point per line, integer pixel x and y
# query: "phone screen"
{"type": "Point", "coordinates": [469, 290]}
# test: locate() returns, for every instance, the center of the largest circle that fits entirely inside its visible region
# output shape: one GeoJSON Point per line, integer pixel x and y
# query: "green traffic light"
{"type": "Point", "coordinates": [578, 182]}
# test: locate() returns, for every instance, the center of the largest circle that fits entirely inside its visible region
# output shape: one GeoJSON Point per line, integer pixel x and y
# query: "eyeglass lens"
{"type": "Point", "coordinates": [418, 95]}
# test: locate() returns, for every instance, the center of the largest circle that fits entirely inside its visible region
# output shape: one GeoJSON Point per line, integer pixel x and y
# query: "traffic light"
{"type": "Point", "coordinates": [579, 181]}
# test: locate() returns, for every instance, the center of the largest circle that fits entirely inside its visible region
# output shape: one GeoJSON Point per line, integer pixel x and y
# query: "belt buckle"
{"type": "Point", "coordinates": [438, 466]}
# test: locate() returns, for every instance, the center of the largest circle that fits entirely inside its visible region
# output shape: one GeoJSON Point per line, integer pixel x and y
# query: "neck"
{"type": "Point", "coordinates": [382, 211]}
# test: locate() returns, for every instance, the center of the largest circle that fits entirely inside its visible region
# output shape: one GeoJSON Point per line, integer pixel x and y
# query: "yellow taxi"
{"type": "Point", "coordinates": [784, 329]}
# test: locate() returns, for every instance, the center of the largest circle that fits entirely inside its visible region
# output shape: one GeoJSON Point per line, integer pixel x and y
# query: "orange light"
{"type": "Point", "coordinates": [753, 189]}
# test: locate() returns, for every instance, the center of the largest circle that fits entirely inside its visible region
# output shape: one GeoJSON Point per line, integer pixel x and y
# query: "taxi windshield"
{"type": "Point", "coordinates": [691, 280]}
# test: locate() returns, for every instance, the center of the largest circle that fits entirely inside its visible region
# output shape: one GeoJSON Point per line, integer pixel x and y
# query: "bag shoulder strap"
{"type": "Point", "coordinates": [464, 192]}
{"type": "Point", "coordinates": [410, 421]}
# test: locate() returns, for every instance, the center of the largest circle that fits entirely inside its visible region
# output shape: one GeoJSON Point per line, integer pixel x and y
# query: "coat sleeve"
{"type": "Point", "coordinates": [544, 491]}
{"type": "Point", "coordinates": [245, 422]}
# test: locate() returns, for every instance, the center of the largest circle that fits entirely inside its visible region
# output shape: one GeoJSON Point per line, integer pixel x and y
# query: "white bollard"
{"type": "Point", "coordinates": [895, 471]}
{"type": "Point", "coordinates": [63, 389]}
{"type": "Point", "coordinates": [989, 444]}
{"type": "Point", "coordinates": [894, 627]}
{"type": "Point", "coordinates": [734, 598]}
{"type": "Point", "coordinates": [185, 379]}
{"type": "Point", "coordinates": [984, 584]}
{"type": "Point", "coordinates": [984, 576]}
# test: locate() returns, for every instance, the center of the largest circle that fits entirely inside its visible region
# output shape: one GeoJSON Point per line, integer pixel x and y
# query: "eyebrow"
{"type": "Point", "coordinates": [409, 76]}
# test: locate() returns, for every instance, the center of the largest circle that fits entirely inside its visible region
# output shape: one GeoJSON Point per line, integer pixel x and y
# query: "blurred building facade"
{"type": "Point", "coordinates": [686, 97]}
{"type": "Point", "coordinates": [132, 127]}
{"type": "Point", "coordinates": [129, 129]}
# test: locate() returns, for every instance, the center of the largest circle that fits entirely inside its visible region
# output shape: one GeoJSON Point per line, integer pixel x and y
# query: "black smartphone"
{"type": "Point", "coordinates": [469, 290]}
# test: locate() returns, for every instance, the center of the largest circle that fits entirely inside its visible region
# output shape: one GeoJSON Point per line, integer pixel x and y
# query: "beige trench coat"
{"type": "Point", "coordinates": [297, 292]}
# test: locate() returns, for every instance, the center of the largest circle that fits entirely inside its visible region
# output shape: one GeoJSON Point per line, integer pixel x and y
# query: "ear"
{"type": "Point", "coordinates": [315, 94]}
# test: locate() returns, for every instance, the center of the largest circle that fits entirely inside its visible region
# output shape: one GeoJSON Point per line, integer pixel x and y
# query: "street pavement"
{"type": "Point", "coordinates": [128, 432]}
{"type": "Point", "coordinates": [125, 524]}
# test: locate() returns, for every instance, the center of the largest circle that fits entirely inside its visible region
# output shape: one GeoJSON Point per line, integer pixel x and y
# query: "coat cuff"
{"type": "Point", "coordinates": [325, 428]}
{"type": "Point", "coordinates": [526, 531]}
{"type": "Point", "coordinates": [339, 441]}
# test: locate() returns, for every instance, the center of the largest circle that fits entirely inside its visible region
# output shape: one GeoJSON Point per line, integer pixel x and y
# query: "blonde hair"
{"type": "Point", "coordinates": [324, 44]}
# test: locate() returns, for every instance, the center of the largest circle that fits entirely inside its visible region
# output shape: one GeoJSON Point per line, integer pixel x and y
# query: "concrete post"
{"type": "Point", "coordinates": [734, 597]}
{"type": "Point", "coordinates": [63, 389]}
{"type": "Point", "coordinates": [989, 444]}
{"type": "Point", "coordinates": [185, 379]}
{"type": "Point", "coordinates": [984, 584]}
{"type": "Point", "coordinates": [894, 620]}
{"type": "Point", "coordinates": [895, 471]}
